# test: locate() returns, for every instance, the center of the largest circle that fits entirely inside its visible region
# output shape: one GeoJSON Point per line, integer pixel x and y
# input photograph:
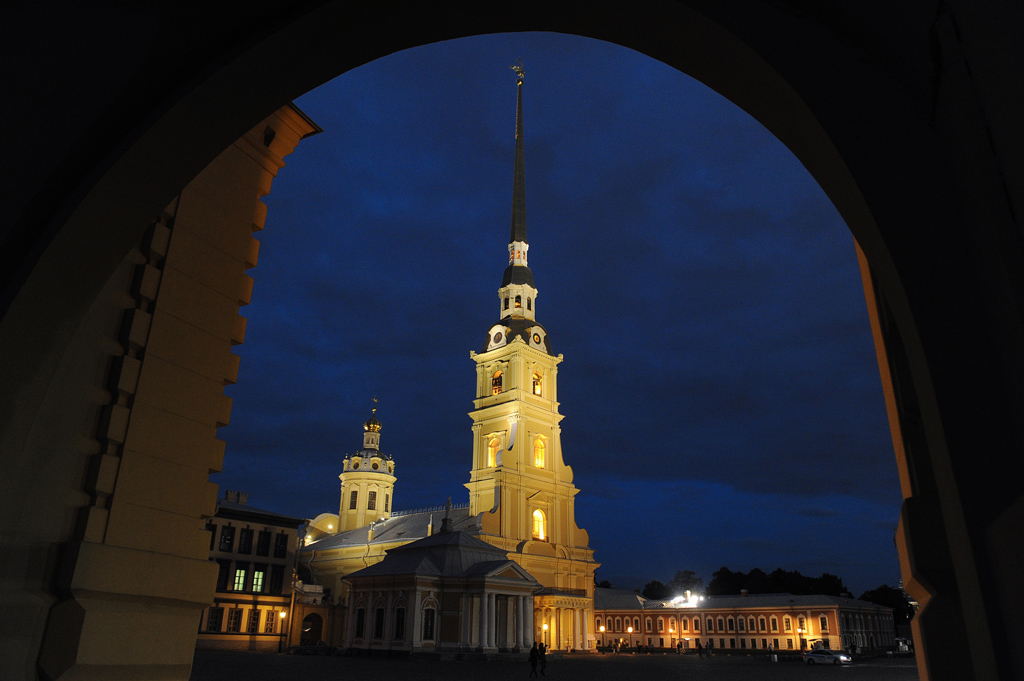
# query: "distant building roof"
{"type": "Point", "coordinates": [617, 599]}
{"type": "Point", "coordinates": [235, 510]}
{"type": "Point", "coordinates": [620, 599]}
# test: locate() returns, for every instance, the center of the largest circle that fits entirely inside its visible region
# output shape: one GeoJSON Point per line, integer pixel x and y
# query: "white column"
{"type": "Point", "coordinates": [528, 626]}
{"type": "Point", "coordinates": [416, 605]}
{"type": "Point", "coordinates": [585, 629]}
{"type": "Point", "coordinates": [483, 620]}
{"type": "Point", "coordinates": [520, 620]}
{"type": "Point", "coordinates": [576, 628]}
{"type": "Point", "coordinates": [491, 619]}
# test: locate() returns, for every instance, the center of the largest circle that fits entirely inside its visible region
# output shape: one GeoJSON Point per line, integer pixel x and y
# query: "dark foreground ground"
{"type": "Point", "coordinates": [255, 667]}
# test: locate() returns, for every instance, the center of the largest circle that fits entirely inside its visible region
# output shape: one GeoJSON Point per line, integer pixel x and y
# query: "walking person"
{"type": "Point", "coordinates": [700, 650]}
{"type": "Point", "coordinates": [534, 658]}
{"type": "Point", "coordinates": [543, 650]}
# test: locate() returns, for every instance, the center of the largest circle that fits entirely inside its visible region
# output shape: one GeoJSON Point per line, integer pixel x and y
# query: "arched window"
{"type": "Point", "coordinates": [661, 625]}
{"type": "Point", "coordinates": [519, 302]}
{"type": "Point", "coordinates": [597, 624]}
{"type": "Point", "coordinates": [753, 625]}
{"type": "Point", "coordinates": [696, 624]}
{"type": "Point", "coordinates": [740, 624]}
{"type": "Point", "coordinates": [506, 302]}
{"type": "Point", "coordinates": [371, 502]}
{"type": "Point", "coordinates": [824, 622]}
{"type": "Point", "coordinates": [492, 452]}
{"type": "Point", "coordinates": [788, 624]}
{"type": "Point", "coordinates": [775, 623]}
{"type": "Point", "coordinates": [538, 452]}
{"type": "Point", "coordinates": [711, 625]}
{"type": "Point", "coordinates": [671, 625]}
{"type": "Point", "coordinates": [721, 623]}
{"type": "Point", "coordinates": [636, 624]}
{"type": "Point", "coordinates": [648, 623]}
{"type": "Point", "coordinates": [529, 303]}
{"type": "Point", "coordinates": [353, 501]}
{"type": "Point", "coordinates": [539, 529]}
{"type": "Point", "coordinates": [618, 624]}
{"type": "Point", "coordinates": [536, 383]}
{"type": "Point", "coordinates": [496, 382]}
{"type": "Point", "coordinates": [428, 624]}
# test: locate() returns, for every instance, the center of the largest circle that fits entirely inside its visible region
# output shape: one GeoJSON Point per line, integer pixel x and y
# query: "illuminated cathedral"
{"type": "Point", "coordinates": [510, 566]}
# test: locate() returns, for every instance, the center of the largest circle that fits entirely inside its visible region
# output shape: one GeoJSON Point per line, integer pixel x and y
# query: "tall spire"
{"type": "Point", "coordinates": [519, 179]}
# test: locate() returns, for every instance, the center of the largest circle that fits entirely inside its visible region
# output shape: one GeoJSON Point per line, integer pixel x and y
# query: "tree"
{"type": "Point", "coordinates": [891, 597]}
{"type": "Point", "coordinates": [656, 591]}
{"type": "Point", "coordinates": [604, 584]}
{"type": "Point", "coordinates": [686, 580]}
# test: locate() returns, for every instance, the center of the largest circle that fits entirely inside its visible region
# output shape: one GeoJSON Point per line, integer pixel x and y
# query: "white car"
{"type": "Point", "coordinates": [826, 656]}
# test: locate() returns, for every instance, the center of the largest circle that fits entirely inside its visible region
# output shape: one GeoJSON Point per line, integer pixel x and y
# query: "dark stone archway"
{"type": "Point", "coordinates": [908, 117]}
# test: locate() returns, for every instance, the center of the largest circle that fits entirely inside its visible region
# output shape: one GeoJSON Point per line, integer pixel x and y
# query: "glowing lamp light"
{"type": "Point", "coordinates": [283, 614]}
{"type": "Point", "coordinates": [602, 628]}
{"type": "Point", "coordinates": [545, 627]}
{"type": "Point", "coordinates": [629, 630]}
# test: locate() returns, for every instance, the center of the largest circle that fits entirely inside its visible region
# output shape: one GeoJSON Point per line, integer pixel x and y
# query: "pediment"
{"type": "Point", "coordinates": [539, 498]}
{"type": "Point", "coordinates": [512, 570]}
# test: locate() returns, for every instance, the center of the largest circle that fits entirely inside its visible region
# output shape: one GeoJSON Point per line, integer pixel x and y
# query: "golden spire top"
{"type": "Point", "coordinates": [518, 68]}
{"type": "Point", "coordinates": [372, 425]}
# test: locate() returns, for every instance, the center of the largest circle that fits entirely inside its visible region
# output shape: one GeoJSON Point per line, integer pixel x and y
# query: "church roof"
{"type": "Point", "coordinates": [399, 527]}
{"type": "Point", "coordinates": [446, 554]}
{"type": "Point", "coordinates": [234, 510]}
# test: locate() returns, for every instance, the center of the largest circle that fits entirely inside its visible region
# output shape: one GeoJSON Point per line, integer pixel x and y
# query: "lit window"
{"type": "Point", "coordinates": [536, 384]}
{"type": "Point", "coordinates": [353, 501]}
{"type": "Point", "coordinates": [239, 580]}
{"type": "Point", "coordinates": [519, 302]}
{"type": "Point", "coordinates": [371, 502]}
{"type": "Point", "coordinates": [257, 581]}
{"type": "Point", "coordinates": [788, 624]}
{"type": "Point", "coordinates": [538, 525]}
{"type": "Point", "coordinates": [496, 382]}
{"type": "Point", "coordinates": [538, 452]}
{"type": "Point", "coordinates": [492, 452]}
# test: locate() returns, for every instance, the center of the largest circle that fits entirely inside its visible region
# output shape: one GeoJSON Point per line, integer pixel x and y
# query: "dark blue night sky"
{"type": "Point", "coordinates": [720, 390]}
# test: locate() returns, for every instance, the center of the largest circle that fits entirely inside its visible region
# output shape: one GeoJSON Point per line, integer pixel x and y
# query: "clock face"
{"type": "Point", "coordinates": [536, 338]}
{"type": "Point", "coordinates": [497, 337]}
{"type": "Point", "coordinates": [375, 466]}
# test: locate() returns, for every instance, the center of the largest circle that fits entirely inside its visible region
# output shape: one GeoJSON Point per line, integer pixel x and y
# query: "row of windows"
{"type": "Point", "coordinates": [686, 644]}
{"type": "Point", "coordinates": [724, 624]}
{"type": "Point", "coordinates": [498, 383]}
{"type": "Point", "coordinates": [371, 501]}
{"type": "Point", "coordinates": [539, 451]}
{"type": "Point", "coordinates": [518, 303]}
{"type": "Point", "coordinates": [270, 618]}
{"type": "Point", "coordinates": [250, 578]}
{"type": "Point", "coordinates": [245, 541]}
{"type": "Point", "coordinates": [397, 628]}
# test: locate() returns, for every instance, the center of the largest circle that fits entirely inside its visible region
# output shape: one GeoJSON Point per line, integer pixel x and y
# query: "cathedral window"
{"type": "Point", "coordinates": [428, 624]}
{"type": "Point", "coordinates": [539, 531]}
{"type": "Point", "coordinates": [387, 503]}
{"type": "Point", "coordinates": [538, 452]}
{"type": "Point", "coordinates": [536, 383]}
{"type": "Point", "coordinates": [353, 501]}
{"type": "Point", "coordinates": [371, 501]}
{"type": "Point", "coordinates": [496, 382]}
{"type": "Point", "coordinates": [519, 302]}
{"type": "Point", "coordinates": [399, 624]}
{"type": "Point", "coordinates": [492, 452]}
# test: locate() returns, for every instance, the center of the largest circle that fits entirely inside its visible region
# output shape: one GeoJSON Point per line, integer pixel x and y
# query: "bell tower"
{"type": "Point", "coordinates": [519, 483]}
{"type": "Point", "coordinates": [367, 481]}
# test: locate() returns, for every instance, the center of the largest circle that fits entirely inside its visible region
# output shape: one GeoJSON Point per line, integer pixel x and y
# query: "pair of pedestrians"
{"type": "Point", "coordinates": [538, 655]}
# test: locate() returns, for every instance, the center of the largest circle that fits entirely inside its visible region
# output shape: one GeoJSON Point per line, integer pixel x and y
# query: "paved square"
{"type": "Point", "coordinates": [255, 667]}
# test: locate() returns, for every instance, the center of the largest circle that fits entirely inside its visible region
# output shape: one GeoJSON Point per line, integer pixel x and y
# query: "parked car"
{"type": "Point", "coordinates": [826, 656]}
